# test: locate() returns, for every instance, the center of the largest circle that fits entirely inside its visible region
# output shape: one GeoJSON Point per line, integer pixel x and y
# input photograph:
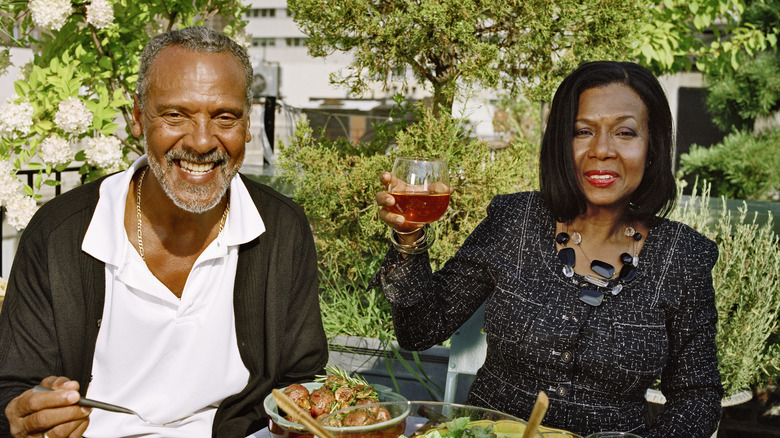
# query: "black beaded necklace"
{"type": "Point", "coordinates": [603, 270]}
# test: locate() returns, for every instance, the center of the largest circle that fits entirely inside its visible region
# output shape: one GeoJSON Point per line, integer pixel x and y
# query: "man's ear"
{"type": "Point", "coordinates": [138, 127]}
{"type": "Point", "coordinates": [248, 131]}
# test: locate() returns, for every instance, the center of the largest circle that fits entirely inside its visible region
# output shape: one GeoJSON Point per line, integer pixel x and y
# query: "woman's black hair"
{"type": "Point", "coordinates": [657, 191]}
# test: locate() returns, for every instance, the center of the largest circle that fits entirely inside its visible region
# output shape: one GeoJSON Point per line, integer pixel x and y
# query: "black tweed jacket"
{"type": "Point", "coordinates": [595, 363]}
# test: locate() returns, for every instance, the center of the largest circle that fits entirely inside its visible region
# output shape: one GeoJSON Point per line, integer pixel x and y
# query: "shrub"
{"type": "Point", "coordinates": [336, 184]}
{"type": "Point", "coordinates": [746, 279]}
{"type": "Point", "coordinates": [742, 166]}
{"type": "Point", "coordinates": [736, 98]}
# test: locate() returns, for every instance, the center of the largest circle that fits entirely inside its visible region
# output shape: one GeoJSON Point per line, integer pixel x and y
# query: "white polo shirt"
{"type": "Point", "coordinates": [158, 355]}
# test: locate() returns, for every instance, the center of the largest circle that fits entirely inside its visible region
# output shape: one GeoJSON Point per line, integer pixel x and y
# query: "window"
{"type": "Point", "coordinates": [295, 42]}
{"type": "Point", "coordinates": [263, 42]}
{"type": "Point", "coordinates": [264, 12]}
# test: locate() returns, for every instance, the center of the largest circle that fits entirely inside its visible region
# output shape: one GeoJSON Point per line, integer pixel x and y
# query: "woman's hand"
{"type": "Point", "coordinates": [385, 200]}
{"type": "Point", "coordinates": [53, 414]}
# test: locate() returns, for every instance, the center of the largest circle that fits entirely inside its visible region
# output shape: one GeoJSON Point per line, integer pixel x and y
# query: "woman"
{"type": "Point", "coordinates": [590, 293]}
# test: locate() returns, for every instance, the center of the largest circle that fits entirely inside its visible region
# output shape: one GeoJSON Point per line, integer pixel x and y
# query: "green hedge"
{"type": "Point", "coordinates": [742, 166]}
{"type": "Point", "coordinates": [336, 183]}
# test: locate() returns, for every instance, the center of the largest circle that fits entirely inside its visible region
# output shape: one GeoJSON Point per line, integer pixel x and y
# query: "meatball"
{"type": "Point", "coordinates": [333, 381]}
{"type": "Point", "coordinates": [321, 401]}
{"type": "Point", "coordinates": [299, 394]}
{"type": "Point", "coordinates": [382, 415]}
{"type": "Point", "coordinates": [364, 391]}
{"type": "Point", "coordinates": [358, 417]}
{"type": "Point", "coordinates": [345, 395]}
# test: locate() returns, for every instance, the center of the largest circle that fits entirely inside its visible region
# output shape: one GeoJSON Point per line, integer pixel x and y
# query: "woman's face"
{"type": "Point", "coordinates": [610, 144]}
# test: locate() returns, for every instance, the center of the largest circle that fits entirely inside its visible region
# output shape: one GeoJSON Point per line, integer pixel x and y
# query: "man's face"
{"type": "Point", "coordinates": [195, 124]}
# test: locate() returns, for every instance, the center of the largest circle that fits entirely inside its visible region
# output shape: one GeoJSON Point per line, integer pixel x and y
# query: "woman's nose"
{"type": "Point", "coordinates": [602, 146]}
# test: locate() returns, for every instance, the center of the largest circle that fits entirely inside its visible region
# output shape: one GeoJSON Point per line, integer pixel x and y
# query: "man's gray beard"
{"type": "Point", "coordinates": [195, 205]}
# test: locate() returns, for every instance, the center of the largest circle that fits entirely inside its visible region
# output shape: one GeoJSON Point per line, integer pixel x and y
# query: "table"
{"type": "Point", "coordinates": [412, 423]}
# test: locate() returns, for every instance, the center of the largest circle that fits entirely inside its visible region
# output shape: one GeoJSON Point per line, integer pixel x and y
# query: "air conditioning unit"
{"type": "Point", "coordinates": [266, 81]}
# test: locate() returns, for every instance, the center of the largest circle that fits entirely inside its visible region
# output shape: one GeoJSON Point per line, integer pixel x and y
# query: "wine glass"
{"type": "Point", "coordinates": [421, 188]}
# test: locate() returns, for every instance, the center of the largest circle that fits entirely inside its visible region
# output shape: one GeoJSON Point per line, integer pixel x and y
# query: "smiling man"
{"type": "Point", "coordinates": [177, 288]}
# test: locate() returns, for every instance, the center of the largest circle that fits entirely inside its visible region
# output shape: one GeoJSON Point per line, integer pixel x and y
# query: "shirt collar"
{"type": "Point", "coordinates": [107, 225]}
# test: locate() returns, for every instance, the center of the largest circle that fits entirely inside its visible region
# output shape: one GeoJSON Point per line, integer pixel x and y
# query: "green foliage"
{"type": "Point", "coordinates": [746, 279]}
{"type": "Point", "coordinates": [736, 98]}
{"type": "Point", "coordinates": [742, 166]}
{"type": "Point", "coordinates": [676, 32]}
{"type": "Point", "coordinates": [451, 44]}
{"type": "Point", "coordinates": [336, 184]}
{"type": "Point", "coordinates": [98, 66]}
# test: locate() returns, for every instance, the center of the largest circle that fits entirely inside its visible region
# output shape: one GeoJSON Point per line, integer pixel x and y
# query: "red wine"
{"type": "Point", "coordinates": [420, 208]}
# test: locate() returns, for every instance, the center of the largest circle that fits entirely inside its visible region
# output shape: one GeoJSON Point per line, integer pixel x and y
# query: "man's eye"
{"type": "Point", "coordinates": [579, 132]}
{"type": "Point", "coordinates": [627, 133]}
{"type": "Point", "coordinates": [226, 119]}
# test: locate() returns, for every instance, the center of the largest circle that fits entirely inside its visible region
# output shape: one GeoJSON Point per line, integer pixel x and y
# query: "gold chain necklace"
{"type": "Point", "coordinates": [138, 215]}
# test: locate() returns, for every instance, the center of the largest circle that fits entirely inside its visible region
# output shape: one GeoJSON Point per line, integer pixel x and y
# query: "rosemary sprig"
{"type": "Point", "coordinates": [333, 369]}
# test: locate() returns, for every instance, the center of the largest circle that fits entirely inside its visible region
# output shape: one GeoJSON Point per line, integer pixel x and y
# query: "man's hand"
{"type": "Point", "coordinates": [53, 414]}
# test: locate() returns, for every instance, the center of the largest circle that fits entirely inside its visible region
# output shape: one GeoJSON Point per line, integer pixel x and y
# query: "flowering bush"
{"type": "Point", "coordinates": [73, 101]}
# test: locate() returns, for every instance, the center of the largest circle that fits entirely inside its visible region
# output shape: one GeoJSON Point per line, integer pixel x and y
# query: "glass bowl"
{"type": "Point", "coordinates": [279, 427]}
{"type": "Point", "coordinates": [424, 418]}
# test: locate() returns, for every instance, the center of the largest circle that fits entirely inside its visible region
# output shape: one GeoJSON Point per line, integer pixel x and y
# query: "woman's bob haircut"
{"type": "Point", "coordinates": [656, 193]}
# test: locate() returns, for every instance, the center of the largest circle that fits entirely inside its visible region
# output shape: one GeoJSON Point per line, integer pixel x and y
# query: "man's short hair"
{"type": "Point", "coordinates": [198, 39]}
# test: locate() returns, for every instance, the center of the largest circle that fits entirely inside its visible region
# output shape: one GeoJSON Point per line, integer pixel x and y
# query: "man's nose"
{"type": "Point", "coordinates": [202, 136]}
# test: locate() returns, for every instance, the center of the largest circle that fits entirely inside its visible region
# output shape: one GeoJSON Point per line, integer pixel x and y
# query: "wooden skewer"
{"type": "Point", "coordinates": [298, 414]}
{"type": "Point", "coordinates": [540, 408]}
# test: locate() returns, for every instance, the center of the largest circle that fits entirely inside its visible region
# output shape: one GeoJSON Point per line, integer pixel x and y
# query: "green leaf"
{"type": "Point", "coordinates": [45, 125]}
{"type": "Point", "coordinates": [105, 63]}
{"type": "Point", "coordinates": [109, 128]}
{"type": "Point", "coordinates": [21, 88]}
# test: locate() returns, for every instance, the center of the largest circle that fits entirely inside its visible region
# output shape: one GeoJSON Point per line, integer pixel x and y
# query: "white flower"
{"type": "Point", "coordinates": [103, 152]}
{"type": "Point", "coordinates": [15, 116]}
{"type": "Point", "coordinates": [9, 185]}
{"type": "Point", "coordinates": [55, 150]}
{"type": "Point", "coordinates": [100, 13]}
{"type": "Point", "coordinates": [20, 209]}
{"type": "Point", "coordinates": [72, 116]}
{"type": "Point", "coordinates": [243, 40]}
{"type": "Point", "coordinates": [50, 14]}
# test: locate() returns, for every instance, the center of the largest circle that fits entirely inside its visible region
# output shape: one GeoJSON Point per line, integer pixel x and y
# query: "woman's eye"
{"type": "Point", "coordinates": [626, 133]}
{"type": "Point", "coordinates": [579, 132]}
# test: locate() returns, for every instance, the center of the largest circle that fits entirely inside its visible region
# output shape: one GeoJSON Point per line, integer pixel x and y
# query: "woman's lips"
{"type": "Point", "coordinates": [600, 178]}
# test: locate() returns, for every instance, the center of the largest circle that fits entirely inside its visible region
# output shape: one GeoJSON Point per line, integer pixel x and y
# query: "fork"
{"type": "Point", "coordinates": [89, 403]}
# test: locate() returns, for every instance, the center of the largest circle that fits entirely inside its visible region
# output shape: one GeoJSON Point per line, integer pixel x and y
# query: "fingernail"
{"type": "Point", "coordinates": [86, 411]}
{"type": "Point", "coordinates": [72, 397]}
{"type": "Point", "coordinates": [399, 221]}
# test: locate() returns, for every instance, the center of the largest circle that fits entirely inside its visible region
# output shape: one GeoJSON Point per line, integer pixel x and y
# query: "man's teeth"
{"type": "Point", "coordinates": [196, 167]}
{"type": "Point", "coordinates": [601, 176]}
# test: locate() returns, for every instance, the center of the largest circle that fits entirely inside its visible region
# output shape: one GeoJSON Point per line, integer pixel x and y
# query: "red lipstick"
{"type": "Point", "coordinates": [601, 178]}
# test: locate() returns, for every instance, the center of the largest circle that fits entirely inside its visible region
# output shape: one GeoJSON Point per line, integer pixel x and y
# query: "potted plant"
{"type": "Point", "coordinates": [746, 279]}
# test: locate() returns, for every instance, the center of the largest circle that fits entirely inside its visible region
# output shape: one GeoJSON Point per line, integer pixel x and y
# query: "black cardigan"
{"type": "Point", "coordinates": [54, 304]}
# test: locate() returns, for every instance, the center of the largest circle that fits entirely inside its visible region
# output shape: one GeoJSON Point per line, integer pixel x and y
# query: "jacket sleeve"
{"type": "Point", "coordinates": [28, 346]}
{"type": "Point", "coordinates": [428, 307]}
{"type": "Point", "coordinates": [691, 380]}
{"type": "Point", "coordinates": [278, 322]}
